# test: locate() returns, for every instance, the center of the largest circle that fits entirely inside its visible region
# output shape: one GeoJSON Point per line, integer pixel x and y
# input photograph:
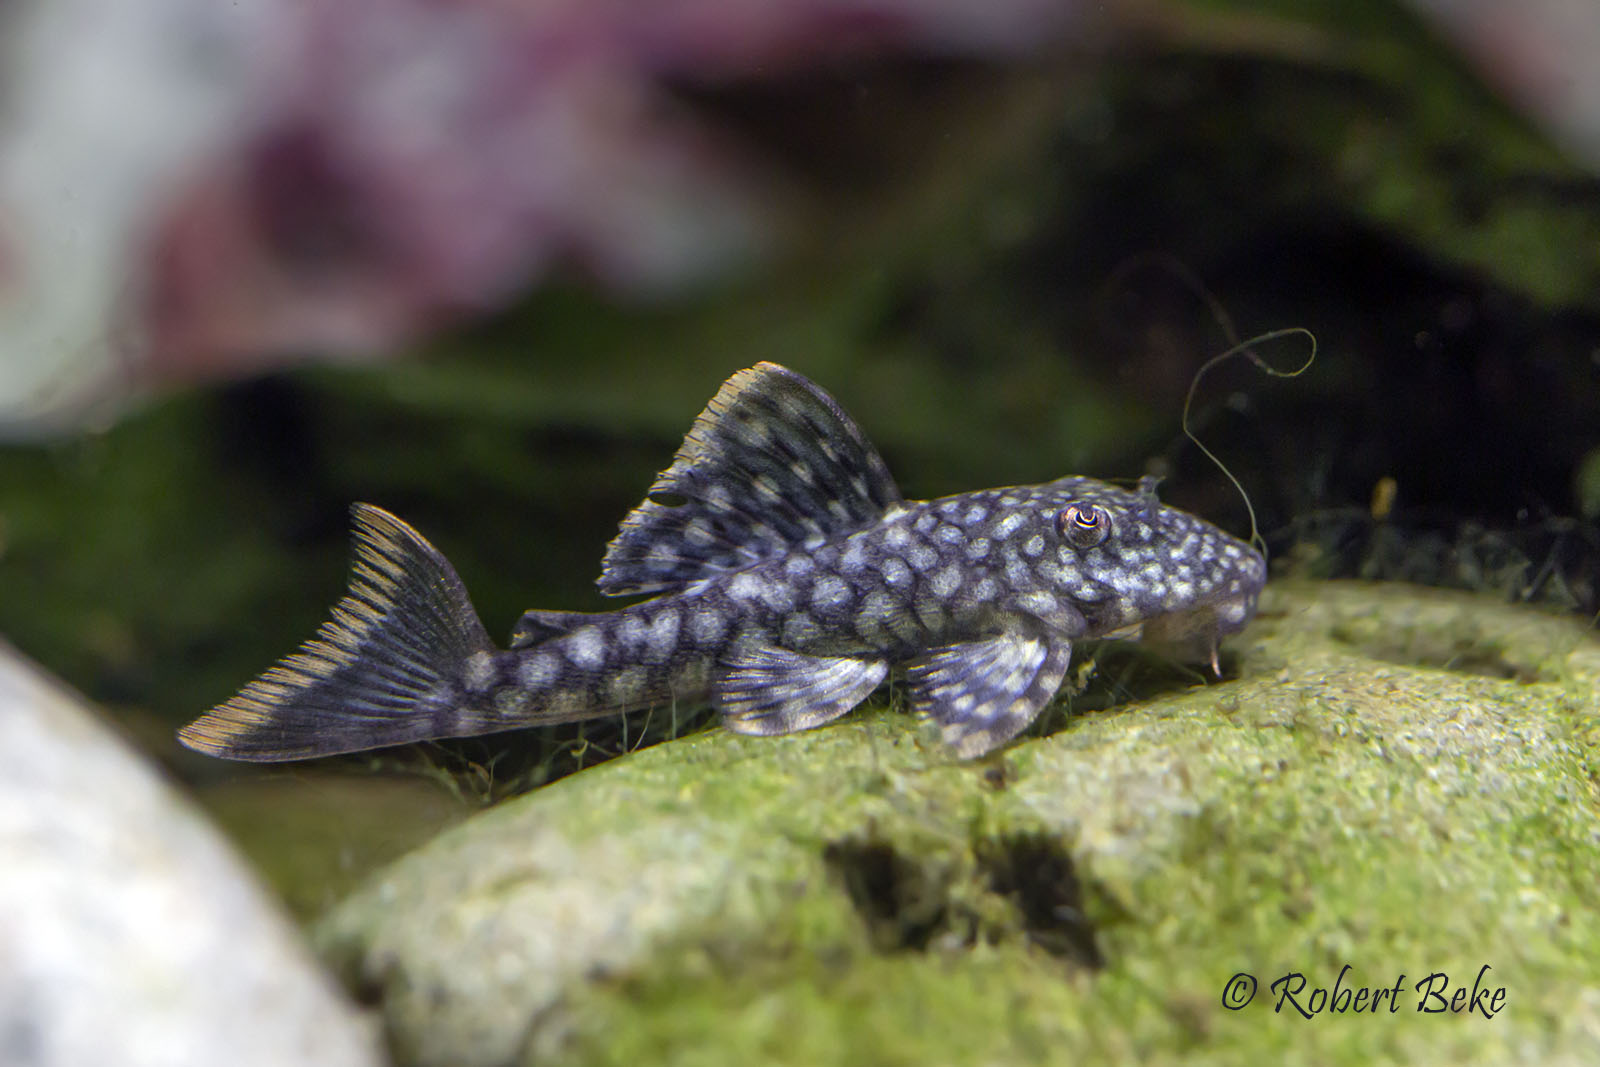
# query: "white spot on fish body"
{"type": "Point", "coordinates": [633, 631]}
{"type": "Point", "coordinates": [586, 647]}
{"type": "Point", "coordinates": [798, 566]}
{"type": "Point", "coordinates": [778, 596]}
{"type": "Point", "coordinates": [897, 536]}
{"type": "Point", "coordinates": [1007, 526]}
{"type": "Point", "coordinates": [977, 548]}
{"type": "Point", "coordinates": [829, 592]}
{"type": "Point", "coordinates": [975, 514]}
{"type": "Point", "coordinates": [479, 673]}
{"type": "Point", "coordinates": [745, 586]}
{"type": "Point", "coordinates": [922, 558]}
{"type": "Point", "coordinates": [564, 703]}
{"type": "Point", "coordinates": [1039, 603]}
{"type": "Point", "coordinates": [896, 573]}
{"type": "Point", "coordinates": [663, 637]}
{"type": "Point", "coordinates": [1034, 545]}
{"type": "Point", "coordinates": [627, 685]}
{"type": "Point", "coordinates": [705, 625]}
{"type": "Point", "coordinates": [946, 582]}
{"type": "Point", "coordinates": [537, 671]}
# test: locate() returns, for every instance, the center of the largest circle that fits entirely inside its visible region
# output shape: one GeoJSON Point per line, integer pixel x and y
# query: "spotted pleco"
{"type": "Point", "coordinates": [790, 577]}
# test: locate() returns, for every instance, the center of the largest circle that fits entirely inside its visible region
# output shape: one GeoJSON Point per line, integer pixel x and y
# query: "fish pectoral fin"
{"type": "Point", "coordinates": [772, 462]}
{"type": "Point", "coordinates": [771, 690]}
{"type": "Point", "coordinates": [984, 693]}
{"type": "Point", "coordinates": [537, 626]}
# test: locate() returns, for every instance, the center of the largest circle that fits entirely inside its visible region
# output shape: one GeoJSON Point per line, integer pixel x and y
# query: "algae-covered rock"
{"type": "Point", "coordinates": [129, 932]}
{"type": "Point", "coordinates": [1399, 785]}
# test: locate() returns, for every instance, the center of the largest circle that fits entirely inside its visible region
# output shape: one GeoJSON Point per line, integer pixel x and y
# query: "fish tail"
{"type": "Point", "coordinates": [386, 669]}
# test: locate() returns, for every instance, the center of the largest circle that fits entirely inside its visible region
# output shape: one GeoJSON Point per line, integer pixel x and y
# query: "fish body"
{"type": "Point", "coordinates": [790, 577]}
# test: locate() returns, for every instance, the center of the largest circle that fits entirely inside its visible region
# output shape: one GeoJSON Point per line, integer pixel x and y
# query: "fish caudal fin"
{"type": "Point", "coordinates": [386, 669]}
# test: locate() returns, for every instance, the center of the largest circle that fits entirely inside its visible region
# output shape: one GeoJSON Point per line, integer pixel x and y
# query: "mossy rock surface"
{"type": "Point", "coordinates": [1400, 781]}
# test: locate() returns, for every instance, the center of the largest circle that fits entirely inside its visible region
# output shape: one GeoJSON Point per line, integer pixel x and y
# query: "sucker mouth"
{"type": "Point", "coordinates": [1192, 634]}
{"type": "Point", "coordinates": [1179, 625]}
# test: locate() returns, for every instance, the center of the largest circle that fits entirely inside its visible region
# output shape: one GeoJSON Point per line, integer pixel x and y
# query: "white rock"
{"type": "Point", "coordinates": [129, 932]}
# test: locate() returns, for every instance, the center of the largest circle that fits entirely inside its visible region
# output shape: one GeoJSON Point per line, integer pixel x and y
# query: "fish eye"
{"type": "Point", "coordinates": [1083, 525]}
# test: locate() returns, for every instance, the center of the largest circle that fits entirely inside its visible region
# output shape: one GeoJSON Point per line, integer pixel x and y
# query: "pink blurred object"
{"type": "Point", "coordinates": [1544, 55]}
{"type": "Point", "coordinates": [192, 189]}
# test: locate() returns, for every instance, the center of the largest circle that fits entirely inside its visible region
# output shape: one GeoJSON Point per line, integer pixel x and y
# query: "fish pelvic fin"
{"type": "Point", "coordinates": [771, 463]}
{"type": "Point", "coordinates": [385, 669]}
{"type": "Point", "coordinates": [984, 693]}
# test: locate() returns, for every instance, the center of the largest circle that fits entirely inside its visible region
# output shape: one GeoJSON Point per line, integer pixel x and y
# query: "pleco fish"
{"type": "Point", "coordinates": [792, 575]}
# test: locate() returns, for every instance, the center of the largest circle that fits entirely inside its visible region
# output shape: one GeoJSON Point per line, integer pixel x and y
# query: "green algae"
{"type": "Point", "coordinates": [854, 894]}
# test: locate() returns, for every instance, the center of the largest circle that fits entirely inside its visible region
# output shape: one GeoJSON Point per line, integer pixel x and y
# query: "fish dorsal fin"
{"type": "Point", "coordinates": [771, 463]}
